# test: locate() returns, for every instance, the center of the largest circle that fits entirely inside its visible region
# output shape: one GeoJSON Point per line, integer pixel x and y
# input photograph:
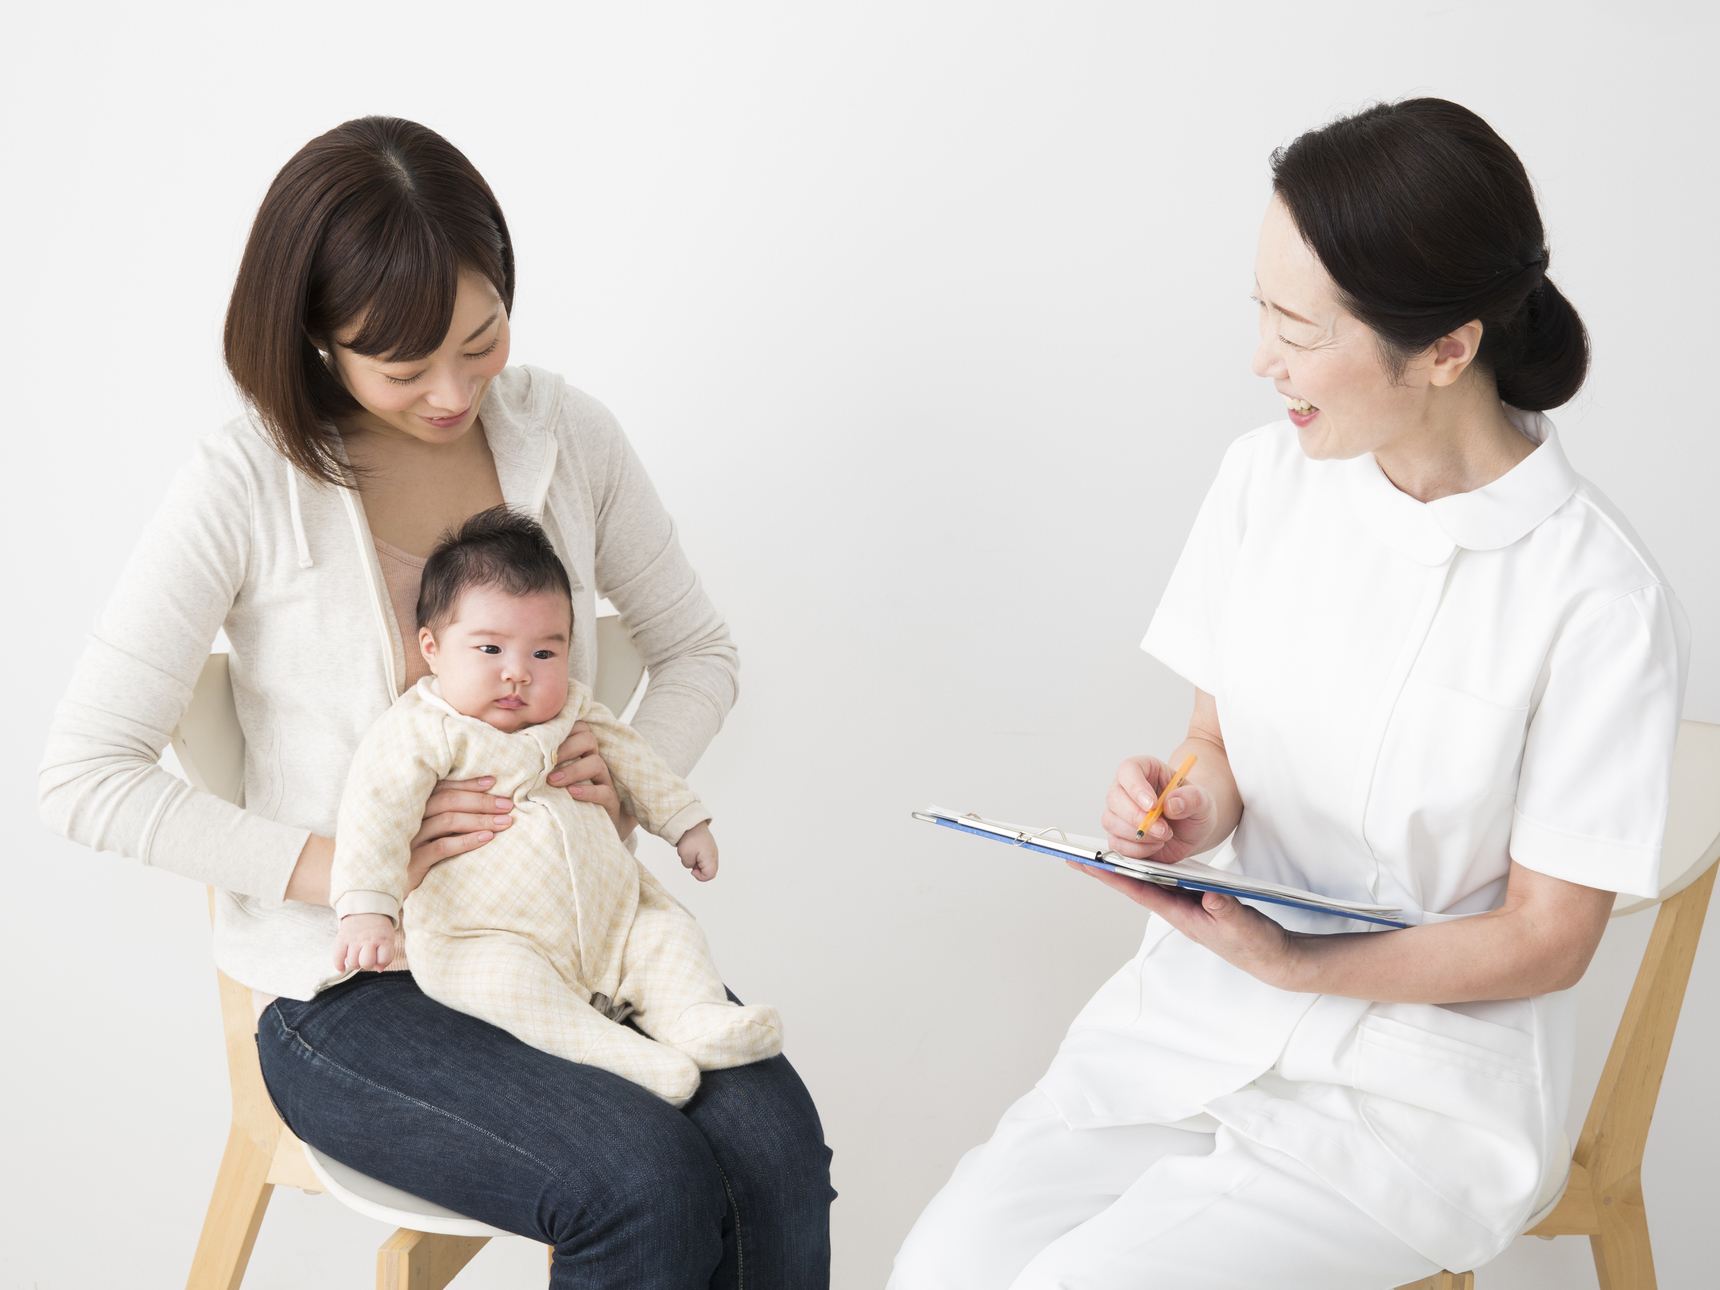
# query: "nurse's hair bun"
{"type": "Point", "coordinates": [1426, 220]}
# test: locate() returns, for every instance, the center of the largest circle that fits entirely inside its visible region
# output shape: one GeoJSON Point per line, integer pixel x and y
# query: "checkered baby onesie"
{"type": "Point", "coordinates": [552, 928]}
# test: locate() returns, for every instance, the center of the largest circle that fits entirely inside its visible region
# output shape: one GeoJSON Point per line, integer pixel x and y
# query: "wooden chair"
{"type": "Point", "coordinates": [1601, 1195]}
{"type": "Point", "coordinates": [431, 1244]}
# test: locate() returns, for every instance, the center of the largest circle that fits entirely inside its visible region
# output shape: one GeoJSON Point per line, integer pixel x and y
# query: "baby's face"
{"type": "Point", "coordinates": [503, 658]}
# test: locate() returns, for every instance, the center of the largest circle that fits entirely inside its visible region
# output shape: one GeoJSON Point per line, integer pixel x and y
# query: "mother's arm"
{"type": "Point", "coordinates": [99, 782]}
{"type": "Point", "coordinates": [1539, 940]}
{"type": "Point", "coordinates": [641, 569]}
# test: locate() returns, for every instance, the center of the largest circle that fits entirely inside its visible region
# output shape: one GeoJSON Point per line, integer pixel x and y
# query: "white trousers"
{"type": "Point", "coordinates": [1141, 1207]}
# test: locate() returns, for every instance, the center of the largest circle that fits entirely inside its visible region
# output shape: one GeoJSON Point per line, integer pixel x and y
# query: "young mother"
{"type": "Point", "coordinates": [368, 332]}
{"type": "Point", "coordinates": [1435, 669]}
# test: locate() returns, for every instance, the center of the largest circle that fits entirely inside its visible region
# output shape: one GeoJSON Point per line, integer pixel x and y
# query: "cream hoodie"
{"type": "Point", "coordinates": [287, 567]}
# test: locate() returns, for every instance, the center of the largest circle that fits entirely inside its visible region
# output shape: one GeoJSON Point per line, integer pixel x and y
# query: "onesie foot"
{"type": "Point", "coordinates": [720, 1035]}
{"type": "Point", "coordinates": [670, 1074]}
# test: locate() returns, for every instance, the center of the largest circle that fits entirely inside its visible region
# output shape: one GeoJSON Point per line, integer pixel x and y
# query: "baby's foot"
{"type": "Point", "coordinates": [720, 1035]}
{"type": "Point", "coordinates": [671, 1075]}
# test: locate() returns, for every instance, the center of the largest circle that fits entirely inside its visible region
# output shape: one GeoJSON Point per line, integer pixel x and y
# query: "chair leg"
{"type": "Point", "coordinates": [411, 1260]}
{"type": "Point", "coordinates": [242, 1191]}
{"type": "Point", "coordinates": [1624, 1260]}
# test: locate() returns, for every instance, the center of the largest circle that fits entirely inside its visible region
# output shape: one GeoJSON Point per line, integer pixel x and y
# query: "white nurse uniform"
{"type": "Point", "coordinates": [1412, 696]}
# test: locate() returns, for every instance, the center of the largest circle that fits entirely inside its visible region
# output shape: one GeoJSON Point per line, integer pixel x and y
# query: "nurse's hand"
{"type": "Point", "coordinates": [1240, 935]}
{"type": "Point", "coordinates": [1184, 830]}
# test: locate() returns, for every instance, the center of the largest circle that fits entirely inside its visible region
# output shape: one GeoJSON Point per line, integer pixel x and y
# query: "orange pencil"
{"type": "Point", "coordinates": [1152, 817]}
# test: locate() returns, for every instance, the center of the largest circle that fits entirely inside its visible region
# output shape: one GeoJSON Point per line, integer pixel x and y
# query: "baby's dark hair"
{"type": "Point", "coordinates": [495, 548]}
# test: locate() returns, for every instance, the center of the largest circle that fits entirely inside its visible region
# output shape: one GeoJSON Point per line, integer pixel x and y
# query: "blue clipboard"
{"type": "Point", "coordinates": [1094, 860]}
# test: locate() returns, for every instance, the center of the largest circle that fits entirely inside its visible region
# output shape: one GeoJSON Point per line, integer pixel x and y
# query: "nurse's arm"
{"type": "Point", "coordinates": [1539, 940]}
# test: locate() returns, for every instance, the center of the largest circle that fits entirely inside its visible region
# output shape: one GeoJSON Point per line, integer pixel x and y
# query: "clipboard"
{"type": "Point", "coordinates": [1190, 875]}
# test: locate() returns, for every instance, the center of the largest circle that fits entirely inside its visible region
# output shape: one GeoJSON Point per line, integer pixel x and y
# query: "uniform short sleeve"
{"type": "Point", "coordinates": [1184, 632]}
{"type": "Point", "coordinates": [1597, 764]}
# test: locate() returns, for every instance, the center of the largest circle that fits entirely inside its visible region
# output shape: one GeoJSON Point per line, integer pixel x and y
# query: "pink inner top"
{"type": "Point", "coordinates": [402, 572]}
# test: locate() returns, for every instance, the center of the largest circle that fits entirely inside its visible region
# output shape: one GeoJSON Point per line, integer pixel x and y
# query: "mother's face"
{"type": "Point", "coordinates": [433, 399]}
{"type": "Point", "coordinates": [1323, 360]}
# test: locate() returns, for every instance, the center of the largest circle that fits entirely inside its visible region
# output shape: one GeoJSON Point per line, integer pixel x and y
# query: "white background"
{"type": "Point", "coordinates": [930, 322]}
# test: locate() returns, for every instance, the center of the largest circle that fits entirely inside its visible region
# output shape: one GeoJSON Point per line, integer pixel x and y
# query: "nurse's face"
{"type": "Point", "coordinates": [1324, 361]}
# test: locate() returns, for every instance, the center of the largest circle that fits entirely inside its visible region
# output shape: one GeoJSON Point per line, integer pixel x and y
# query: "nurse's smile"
{"type": "Point", "coordinates": [1302, 412]}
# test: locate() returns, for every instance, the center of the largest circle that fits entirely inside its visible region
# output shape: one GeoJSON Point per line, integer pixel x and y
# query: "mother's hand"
{"type": "Point", "coordinates": [582, 769]}
{"type": "Point", "coordinates": [458, 817]}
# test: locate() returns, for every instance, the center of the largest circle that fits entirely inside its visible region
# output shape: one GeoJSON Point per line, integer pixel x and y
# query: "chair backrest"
{"type": "Point", "coordinates": [208, 740]}
{"type": "Point", "coordinates": [1692, 842]}
{"type": "Point", "coordinates": [1615, 1131]}
{"type": "Point", "coordinates": [620, 666]}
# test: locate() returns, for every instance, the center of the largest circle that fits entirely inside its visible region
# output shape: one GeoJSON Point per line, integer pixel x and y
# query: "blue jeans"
{"type": "Point", "coordinates": [629, 1191]}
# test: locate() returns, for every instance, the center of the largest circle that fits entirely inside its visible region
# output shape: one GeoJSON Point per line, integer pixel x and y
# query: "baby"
{"type": "Point", "coordinates": [552, 930]}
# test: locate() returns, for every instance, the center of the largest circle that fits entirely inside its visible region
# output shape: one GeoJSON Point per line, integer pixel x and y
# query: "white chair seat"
{"type": "Point", "coordinates": [389, 1204]}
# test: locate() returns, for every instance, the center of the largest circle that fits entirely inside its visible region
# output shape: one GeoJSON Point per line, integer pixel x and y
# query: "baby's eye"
{"type": "Point", "coordinates": [490, 649]}
{"type": "Point", "coordinates": [544, 653]}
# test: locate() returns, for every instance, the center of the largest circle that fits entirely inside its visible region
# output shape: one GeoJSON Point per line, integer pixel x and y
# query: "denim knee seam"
{"type": "Point", "coordinates": [740, 1238]}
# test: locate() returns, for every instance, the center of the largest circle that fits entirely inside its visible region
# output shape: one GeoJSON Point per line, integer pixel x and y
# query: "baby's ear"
{"type": "Point", "coordinates": [427, 647]}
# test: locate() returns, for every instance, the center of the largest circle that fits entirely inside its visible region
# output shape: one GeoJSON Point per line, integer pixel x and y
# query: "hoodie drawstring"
{"type": "Point", "coordinates": [299, 538]}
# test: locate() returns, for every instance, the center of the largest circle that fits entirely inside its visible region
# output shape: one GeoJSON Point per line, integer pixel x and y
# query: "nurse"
{"type": "Point", "coordinates": [1434, 668]}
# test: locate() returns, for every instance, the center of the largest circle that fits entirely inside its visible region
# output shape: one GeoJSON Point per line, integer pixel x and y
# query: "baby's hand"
{"type": "Point", "coordinates": [698, 851]}
{"type": "Point", "coordinates": [364, 941]}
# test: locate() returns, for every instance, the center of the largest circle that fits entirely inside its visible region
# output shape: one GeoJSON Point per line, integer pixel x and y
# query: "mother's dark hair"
{"type": "Point", "coordinates": [1426, 220]}
{"type": "Point", "coordinates": [377, 218]}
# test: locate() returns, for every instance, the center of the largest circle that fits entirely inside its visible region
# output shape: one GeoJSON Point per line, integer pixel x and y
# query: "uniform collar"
{"type": "Point", "coordinates": [1484, 519]}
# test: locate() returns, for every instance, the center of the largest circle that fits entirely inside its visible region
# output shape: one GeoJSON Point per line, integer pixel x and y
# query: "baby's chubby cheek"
{"type": "Point", "coordinates": [548, 702]}
{"type": "Point", "coordinates": [464, 692]}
